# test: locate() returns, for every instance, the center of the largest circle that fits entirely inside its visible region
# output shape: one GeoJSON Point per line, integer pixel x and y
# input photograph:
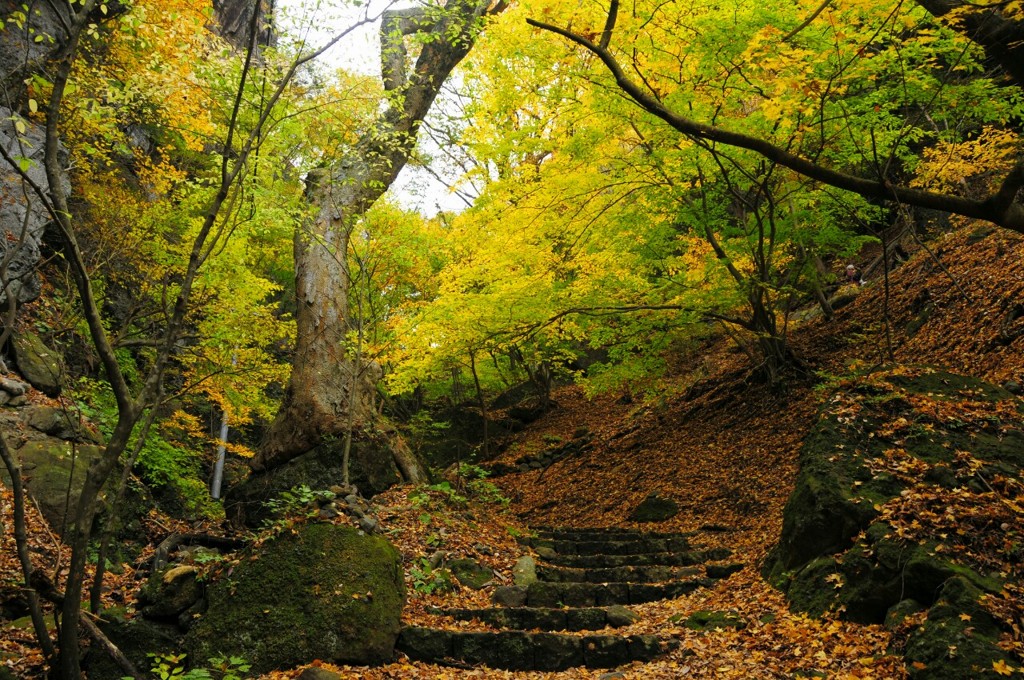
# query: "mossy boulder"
{"type": "Point", "coordinates": [319, 592]}
{"type": "Point", "coordinates": [958, 640]}
{"type": "Point", "coordinates": [52, 467]}
{"type": "Point", "coordinates": [37, 363]}
{"type": "Point", "coordinates": [372, 470]}
{"type": "Point", "coordinates": [471, 573]}
{"type": "Point", "coordinates": [170, 591]}
{"type": "Point", "coordinates": [54, 472]}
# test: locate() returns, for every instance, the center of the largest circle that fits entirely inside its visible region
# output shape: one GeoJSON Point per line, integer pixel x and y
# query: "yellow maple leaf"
{"type": "Point", "coordinates": [1002, 667]}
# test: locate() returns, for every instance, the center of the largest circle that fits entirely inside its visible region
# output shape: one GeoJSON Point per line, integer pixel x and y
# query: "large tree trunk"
{"type": "Point", "coordinates": [316, 403]}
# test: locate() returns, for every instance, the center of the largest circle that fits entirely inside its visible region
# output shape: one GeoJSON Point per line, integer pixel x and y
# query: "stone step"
{"type": "Point", "coordinates": [521, 651]}
{"type": "Point", "coordinates": [631, 573]}
{"type": "Point", "coordinates": [630, 546]}
{"type": "Point", "coordinates": [678, 559]}
{"type": "Point", "coordinates": [543, 594]}
{"type": "Point", "coordinates": [570, 534]}
{"type": "Point", "coordinates": [537, 618]}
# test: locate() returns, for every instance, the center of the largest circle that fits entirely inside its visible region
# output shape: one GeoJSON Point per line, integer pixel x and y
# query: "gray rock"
{"type": "Point", "coordinates": [619, 616]}
{"type": "Point", "coordinates": [524, 573]}
{"type": "Point", "coordinates": [369, 525]}
{"type": "Point", "coordinates": [59, 423]}
{"type": "Point", "coordinates": [546, 553]}
{"type": "Point", "coordinates": [23, 218]}
{"type": "Point", "coordinates": [37, 363]}
{"type": "Point", "coordinates": [328, 512]}
{"type": "Point", "coordinates": [14, 388]}
{"type": "Point", "coordinates": [1013, 387]}
{"type": "Point", "coordinates": [509, 596]}
{"type": "Point", "coordinates": [437, 559]}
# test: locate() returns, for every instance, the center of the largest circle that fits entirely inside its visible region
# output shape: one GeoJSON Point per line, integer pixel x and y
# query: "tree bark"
{"type": "Point", "coordinates": [316, 402]}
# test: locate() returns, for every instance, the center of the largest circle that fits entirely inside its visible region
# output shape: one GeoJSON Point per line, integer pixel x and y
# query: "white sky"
{"type": "Point", "coordinates": [415, 188]}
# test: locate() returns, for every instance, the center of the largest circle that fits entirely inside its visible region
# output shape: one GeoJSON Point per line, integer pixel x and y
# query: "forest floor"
{"type": "Point", "coordinates": [728, 447]}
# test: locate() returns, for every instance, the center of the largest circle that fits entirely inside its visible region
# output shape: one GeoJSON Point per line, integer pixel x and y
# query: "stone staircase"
{"type": "Point", "coordinates": [584, 581]}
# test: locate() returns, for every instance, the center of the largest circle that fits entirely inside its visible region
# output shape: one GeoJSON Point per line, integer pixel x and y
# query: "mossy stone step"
{"type": "Point", "coordinates": [535, 618]}
{"type": "Point", "coordinates": [543, 594]}
{"type": "Point", "coordinates": [630, 573]}
{"type": "Point", "coordinates": [520, 651]}
{"type": "Point", "coordinates": [631, 546]}
{"type": "Point", "coordinates": [671, 559]}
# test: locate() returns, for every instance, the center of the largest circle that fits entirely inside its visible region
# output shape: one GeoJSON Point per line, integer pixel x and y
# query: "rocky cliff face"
{"type": "Point", "coordinates": [23, 218]}
{"type": "Point", "coordinates": [234, 16]}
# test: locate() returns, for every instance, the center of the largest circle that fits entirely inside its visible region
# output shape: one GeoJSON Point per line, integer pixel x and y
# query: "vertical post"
{"type": "Point", "coordinates": [218, 468]}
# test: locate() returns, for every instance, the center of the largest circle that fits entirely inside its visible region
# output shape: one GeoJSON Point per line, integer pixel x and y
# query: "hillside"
{"type": "Point", "coordinates": [725, 448]}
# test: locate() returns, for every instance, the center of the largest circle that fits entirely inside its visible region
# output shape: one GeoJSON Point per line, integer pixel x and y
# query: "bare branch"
{"type": "Point", "coordinates": [807, 22]}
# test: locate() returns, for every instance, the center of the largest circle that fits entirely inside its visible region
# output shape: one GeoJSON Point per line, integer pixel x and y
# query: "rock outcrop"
{"type": "Point", "coordinates": [905, 473]}
{"type": "Point", "coordinates": [372, 470]}
{"type": "Point", "coordinates": [23, 218]}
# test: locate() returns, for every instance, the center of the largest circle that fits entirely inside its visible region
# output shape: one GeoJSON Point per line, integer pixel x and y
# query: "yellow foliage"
{"type": "Point", "coordinates": [988, 156]}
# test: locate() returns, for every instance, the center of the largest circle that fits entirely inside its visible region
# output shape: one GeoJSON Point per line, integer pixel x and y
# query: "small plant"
{"type": "Point", "coordinates": [520, 533]}
{"type": "Point", "coordinates": [479, 487]}
{"type": "Point", "coordinates": [427, 579]}
{"type": "Point", "coordinates": [425, 496]}
{"type": "Point", "coordinates": [172, 667]}
{"type": "Point", "coordinates": [229, 667]}
{"type": "Point", "coordinates": [296, 501]}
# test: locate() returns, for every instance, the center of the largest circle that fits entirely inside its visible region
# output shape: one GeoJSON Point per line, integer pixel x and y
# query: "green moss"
{"type": "Point", "coordinates": [950, 646]}
{"type": "Point", "coordinates": [712, 620]}
{"type": "Point", "coordinates": [322, 592]}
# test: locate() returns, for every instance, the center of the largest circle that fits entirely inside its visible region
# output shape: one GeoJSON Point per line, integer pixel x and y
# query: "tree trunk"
{"type": "Point", "coordinates": [316, 401]}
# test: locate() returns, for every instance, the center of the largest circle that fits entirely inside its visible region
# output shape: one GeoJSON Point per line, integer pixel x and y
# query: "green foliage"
{"type": "Point", "coordinates": [479, 488]}
{"type": "Point", "coordinates": [297, 501]}
{"type": "Point", "coordinates": [471, 484]}
{"type": "Point", "coordinates": [427, 579]}
{"type": "Point", "coordinates": [163, 461]}
{"type": "Point", "coordinates": [436, 495]}
{"type": "Point", "coordinates": [172, 667]}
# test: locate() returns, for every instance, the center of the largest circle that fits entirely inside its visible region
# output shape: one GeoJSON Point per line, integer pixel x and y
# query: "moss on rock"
{"type": "Point", "coordinates": [887, 446]}
{"type": "Point", "coordinates": [320, 592]}
{"type": "Point", "coordinates": [372, 470]}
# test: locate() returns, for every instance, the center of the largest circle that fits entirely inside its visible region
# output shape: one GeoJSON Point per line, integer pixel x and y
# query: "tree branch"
{"type": "Point", "coordinates": [995, 209]}
{"type": "Point", "coordinates": [806, 22]}
{"type": "Point", "coordinates": [609, 24]}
